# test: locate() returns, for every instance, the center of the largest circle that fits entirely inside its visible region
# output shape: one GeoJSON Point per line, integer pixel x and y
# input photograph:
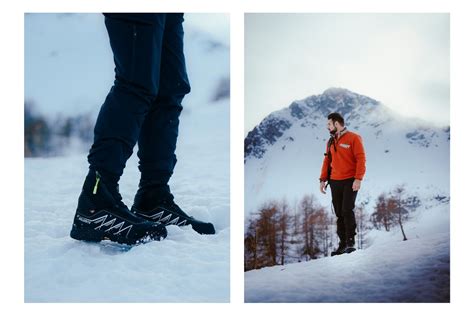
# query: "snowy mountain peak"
{"type": "Point", "coordinates": [343, 100]}
{"type": "Point", "coordinates": [359, 112]}
{"type": "Point", "coordinates": [336, 91]}
{"type": "Point", "coordinates": [343, 96]}
{"type": "Point", "coordinates": [314, 108]}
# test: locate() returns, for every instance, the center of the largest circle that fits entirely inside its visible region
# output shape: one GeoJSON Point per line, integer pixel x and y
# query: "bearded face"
{"type": "Point", "coordinates": [331, 127]}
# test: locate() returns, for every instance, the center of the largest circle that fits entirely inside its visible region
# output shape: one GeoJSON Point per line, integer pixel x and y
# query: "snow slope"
{"type": "Point", "coordinates": [390, 270]}
{"type": "Point", "coordinates": [185, 267]}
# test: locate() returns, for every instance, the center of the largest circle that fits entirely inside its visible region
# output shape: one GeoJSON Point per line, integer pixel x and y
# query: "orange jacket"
{"type": "Point", "coordinates": [348, 158]}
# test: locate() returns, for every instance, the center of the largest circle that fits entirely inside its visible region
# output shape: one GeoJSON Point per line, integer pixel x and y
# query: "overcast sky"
{"type": "Point", "coordinates": [401, 60]}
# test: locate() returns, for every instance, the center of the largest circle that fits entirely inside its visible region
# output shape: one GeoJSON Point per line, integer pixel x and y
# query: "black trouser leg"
{"type": "Point", "coordinates": [159, 133]}
{"type": "Point", "coordinates": [136, 42]}
{"type": "Point", "coordinates": [343, 199]}
{"type": "Point", "coordinates": [337, 199]}
{"type": "Point", "coordinates": [348, 204]}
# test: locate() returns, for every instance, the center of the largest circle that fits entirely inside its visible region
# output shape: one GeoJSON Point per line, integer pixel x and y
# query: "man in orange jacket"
{"type": "Point", "coordinates": [343, 169]}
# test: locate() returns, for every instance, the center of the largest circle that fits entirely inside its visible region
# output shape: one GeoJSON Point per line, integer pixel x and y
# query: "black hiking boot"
{"type": "Point", "coordinates": [157, 204]}
{"type": "Point", "coordinates": [340, 250]}
{"type": "Point", "coordinates": [350, 245]}
{"type": "Point", "coordinates": [101, 215]}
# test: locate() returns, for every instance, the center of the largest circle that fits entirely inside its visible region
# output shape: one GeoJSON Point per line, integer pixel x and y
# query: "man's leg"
{"type": "Point", "coordinates": [337, 191]}
{"type": "Point", "coordinates": [136, 42]}
{"type": "Point", "coordinates": [348, 204]}
{"type": "Point", "coordinates": [158, 135]}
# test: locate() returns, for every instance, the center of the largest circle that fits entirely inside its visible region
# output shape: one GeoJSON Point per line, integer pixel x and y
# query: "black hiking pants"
{"type": "Point", "coordinates": [144, 103]}
{"type": "Point", "coordinates": [343, 200]}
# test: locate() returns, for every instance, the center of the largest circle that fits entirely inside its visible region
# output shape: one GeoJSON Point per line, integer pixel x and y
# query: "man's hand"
{"type": "Point", "coordinates": [356, 185]}
{"type": "Point", "coordinates": [322, 187]}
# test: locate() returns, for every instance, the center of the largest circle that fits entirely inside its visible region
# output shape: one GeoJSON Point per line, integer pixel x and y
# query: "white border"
{"type": "Point", "coordinates": [462, 103]}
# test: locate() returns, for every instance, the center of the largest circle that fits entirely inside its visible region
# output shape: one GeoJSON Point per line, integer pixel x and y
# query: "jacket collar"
{"type": "Point", "coordinates": [339, 134]}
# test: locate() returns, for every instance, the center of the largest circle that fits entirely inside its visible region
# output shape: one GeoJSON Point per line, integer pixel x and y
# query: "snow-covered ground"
{"type": "Point", "coordinates": [185, 267]}
{"type": "Point", "coordinates": [390, 270]}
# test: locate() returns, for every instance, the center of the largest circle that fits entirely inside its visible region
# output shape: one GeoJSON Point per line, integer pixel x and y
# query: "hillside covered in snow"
{"type": "Point", "coordinates": [390, 270]}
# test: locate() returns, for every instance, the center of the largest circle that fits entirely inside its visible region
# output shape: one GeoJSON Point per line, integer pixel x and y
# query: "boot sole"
{"type": "Point", "coordinates": [92, 235]}
{"type": "Point", "coordinates": [198, 226]}
{"type": "Point", "coordinates": [349, 250]}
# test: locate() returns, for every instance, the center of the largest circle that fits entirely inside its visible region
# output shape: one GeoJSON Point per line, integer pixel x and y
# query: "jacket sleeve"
{"type": "Point", "coordinates": [324, 169]}
{"type": "Point", "coordinates": [359, 154]}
